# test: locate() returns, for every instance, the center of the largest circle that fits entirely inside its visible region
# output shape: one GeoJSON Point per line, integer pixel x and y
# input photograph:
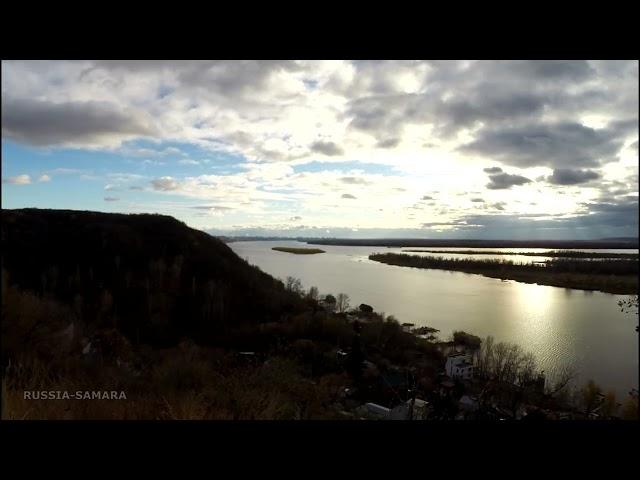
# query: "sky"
{"type": "Point", "coordinates": [352, 149]}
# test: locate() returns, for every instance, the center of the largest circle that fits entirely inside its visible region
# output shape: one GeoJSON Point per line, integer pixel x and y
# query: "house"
{"type": "Point", "coordinates": [421, 409]}
{"type": "Point", "coordinates": [459, 365]}
{"type": "Point", "coordinates": [373, 410]}
{"type": "Point", "coordinates": [399, 412]}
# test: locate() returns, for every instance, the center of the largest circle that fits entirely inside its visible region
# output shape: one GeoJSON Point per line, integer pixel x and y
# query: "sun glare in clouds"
{"type": "Point", "coordinates": [408, 148]}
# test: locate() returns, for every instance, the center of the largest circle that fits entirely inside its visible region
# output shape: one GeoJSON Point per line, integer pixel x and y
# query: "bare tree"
{"type": "Point", "coordinates": [528, 369]}
{"type": "Point", "coordinates": [485, 357]}
{"type": "Point", "coordinates": [506, 362]}
{"type": "Point", "coordinates": [342, 302]}
{"type": "Point", "coordinates": [313, 293]}
{"type": "Point", "coordinates": [562, 380]}
{"type": "Point", "coordinates": [499, 358]}
{"type": "Point", "coordinates": [294, 285]}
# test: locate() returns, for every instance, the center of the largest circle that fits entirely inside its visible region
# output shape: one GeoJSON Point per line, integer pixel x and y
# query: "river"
{"type": "Point", "coordinates": [580, 329]}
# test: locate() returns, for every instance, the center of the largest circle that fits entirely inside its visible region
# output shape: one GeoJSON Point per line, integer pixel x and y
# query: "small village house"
{"type": "Point", "coordinates": [459, 366]}
{"type": "Point", "coordinates": [401, 411]}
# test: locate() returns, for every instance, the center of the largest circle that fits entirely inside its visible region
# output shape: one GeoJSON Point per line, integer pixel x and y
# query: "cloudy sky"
{"type": "Point", "coordinates": [426, 149]}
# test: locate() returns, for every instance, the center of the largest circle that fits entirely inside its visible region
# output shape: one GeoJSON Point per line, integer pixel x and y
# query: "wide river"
{"type": "Point", "coordinates": [583, 330]}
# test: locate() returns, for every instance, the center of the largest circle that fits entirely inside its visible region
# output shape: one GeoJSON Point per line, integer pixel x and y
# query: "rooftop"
{"type": "Point", "coordinates": [458, 354]}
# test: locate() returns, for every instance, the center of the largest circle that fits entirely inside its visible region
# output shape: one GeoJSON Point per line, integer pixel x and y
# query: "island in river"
{"type": "Point", "coordinates": [609, 276]}
{"type": "Point", "coordinates": [298, 251]}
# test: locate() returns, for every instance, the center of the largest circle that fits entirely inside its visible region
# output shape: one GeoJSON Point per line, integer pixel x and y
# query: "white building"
{"type": "Point", "coordinates": [459, 365]}
{"type": "Point", "coordinates": [399, 412]}
{"type": "Point", "coordinates": [374, 410]}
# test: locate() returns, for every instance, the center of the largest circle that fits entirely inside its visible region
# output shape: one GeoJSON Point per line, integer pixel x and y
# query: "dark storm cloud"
{"type": "Point", "coordinates": [627, 208]}
{"type": "Point", "coordinates": [42, 123]}
{"type": "Point", "coordinates": [493, 170]}
{"type": "Point", "coordinates": [502, 181]}
{"type": "Point", "coordinates": [617, 188]}
{"type": "Point", "coordinates": [229, 77]}
{"type": "Point", "coordinates": [426, 197]}
{"type": "Point", "coordinates": [487, 107]}
{"type": "Point", "coordinates": [224, 77]}
{"type": "Point", "coordinates": [326, 148]}
{"type": "Point", "coordinates": [387, 114]}
{"type": "Point", "coordinates": [505, 101]}
{"type": "Point", "coordinates": [562, 145]}
{"type": "Point", "coordinates": [554, 69]}
{"type": "Point", "coordinates": [456, 95]}
{"type": "Point", "coordinates": [348, 195]}
{"type": "Point", "coordinates": [562, 176]}
{"type": "Point", "coordinates": [477, 200]}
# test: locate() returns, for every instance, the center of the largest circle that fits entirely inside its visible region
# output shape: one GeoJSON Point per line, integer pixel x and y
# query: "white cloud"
{"type": "Point", "coordinates": [44, 178]}
{"type": "Point", "coordinates": [525, 118]}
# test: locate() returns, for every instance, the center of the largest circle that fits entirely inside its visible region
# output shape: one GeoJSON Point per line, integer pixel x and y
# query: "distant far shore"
{"type": "Point", "coordinates": [627, 243]}
{"type": "Point", "coordinates": [298, 251]}
{"type": "Point", "coordinates": [555, 253]}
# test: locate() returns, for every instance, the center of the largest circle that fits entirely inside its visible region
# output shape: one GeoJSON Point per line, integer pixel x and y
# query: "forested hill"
{"type": "Point", "coordinates": [150, 276]}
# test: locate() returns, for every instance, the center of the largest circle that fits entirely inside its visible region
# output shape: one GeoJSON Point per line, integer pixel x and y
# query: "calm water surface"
{"type": "Point", "coordinates": [584, 330]}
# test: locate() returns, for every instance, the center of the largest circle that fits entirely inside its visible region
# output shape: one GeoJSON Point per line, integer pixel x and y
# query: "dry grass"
{"type": "Point", "coordinates": [183, 385]}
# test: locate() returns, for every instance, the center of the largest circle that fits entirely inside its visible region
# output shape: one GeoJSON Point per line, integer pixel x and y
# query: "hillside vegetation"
{"type": "Point", "coordinates": [150, 276]}
{"type": "Point", "coordinates": [145, 305]}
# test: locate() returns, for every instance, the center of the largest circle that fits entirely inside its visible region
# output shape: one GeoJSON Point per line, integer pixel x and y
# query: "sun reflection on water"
{"type": "Point", "coordinates": [540, 326]}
